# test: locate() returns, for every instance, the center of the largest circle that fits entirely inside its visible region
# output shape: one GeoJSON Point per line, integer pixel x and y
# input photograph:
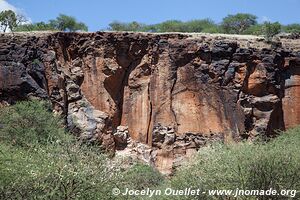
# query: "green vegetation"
{"type": "Point", "coordinates": [29, 123]}
{"type": "Point", "coordinates": [67, 23]}
{"type": "Point", "coordinates": [39, 160]}
{"type": "Point", "coordinates": [271, 29]}
{"type": "Point", "coordinates": [40, 26]}
{"type": "Point", "coordinates": [292, 28]}
{"type": "Point", "coordinates": [260, 166]}
{"type": "Point", "coordinates": [204, 25]}
{"type": "Point", "coordinates": [133, 26]}
{"type": "Point", "coordinates": [9, 20]}
{"type": "Point", "coordinates": [61, 23]}
{"type": "Point", "coordinates": [239, 23]}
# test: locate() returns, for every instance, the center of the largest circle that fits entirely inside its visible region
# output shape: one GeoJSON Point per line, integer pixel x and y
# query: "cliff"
{"type": "Point", "coordinates": [159, 96]}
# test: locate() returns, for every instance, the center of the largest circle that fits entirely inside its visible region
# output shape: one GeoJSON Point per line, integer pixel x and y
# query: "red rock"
{"type": "Point", "coordinates": [291, 100]}
{"type": "Point", "coordinates": [174, 92]}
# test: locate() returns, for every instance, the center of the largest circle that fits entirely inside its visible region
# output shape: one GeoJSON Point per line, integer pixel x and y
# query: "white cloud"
{"type": "Point", "coordinates": [4, 5]}
{"type": "Point", "coordinates": [265, 19]}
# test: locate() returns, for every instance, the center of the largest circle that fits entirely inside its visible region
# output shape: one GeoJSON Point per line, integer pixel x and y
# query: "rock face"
{"type": "Point", "coordinates": [164, 95]}
{"type": "Point", "coordinates": [291, 101]}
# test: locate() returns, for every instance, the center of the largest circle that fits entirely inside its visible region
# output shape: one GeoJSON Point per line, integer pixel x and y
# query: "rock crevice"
{"type": "Point", "coordinates": [174, 93]}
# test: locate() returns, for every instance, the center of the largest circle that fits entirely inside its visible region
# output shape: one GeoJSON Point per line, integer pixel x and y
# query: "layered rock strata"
{"type": "Point", "coordinates": [168, 94]}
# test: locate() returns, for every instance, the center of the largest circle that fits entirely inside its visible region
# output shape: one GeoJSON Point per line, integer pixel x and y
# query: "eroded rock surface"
{"type": "Point", "coordinates": [163, 96]}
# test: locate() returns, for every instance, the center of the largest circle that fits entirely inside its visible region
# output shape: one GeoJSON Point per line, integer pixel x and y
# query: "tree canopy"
{"type": "Point", "coordinates": [67, 23]}
{"type": "Point", "coordinates": [8, 20]}
{"type": "Point", "coordinates": [239, 23]}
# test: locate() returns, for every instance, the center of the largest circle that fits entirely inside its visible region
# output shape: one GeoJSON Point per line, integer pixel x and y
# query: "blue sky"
{"type": "Point", "coordinates": [97, 14]}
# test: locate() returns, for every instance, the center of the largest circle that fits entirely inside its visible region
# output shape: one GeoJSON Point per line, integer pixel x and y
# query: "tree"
{"type": "Point", "coordinates": [238, 23]}
{"type": "Point", "coordinates": [132, 26]}
{"type": "Point", "coordinates": [8, 20]}
{"type": "Point", "coordinates": [67, 23]}
{"type": "Point", "coordinates": [135, 26]}
{"type": "Point", "coordinates": [271, 29]}
{"type": "Point", "coordinates": [117, 26]}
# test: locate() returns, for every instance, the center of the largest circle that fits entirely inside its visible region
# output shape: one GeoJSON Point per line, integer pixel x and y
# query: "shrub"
{"type": "Point", "coordinates": [68, 172]}
{"type": "Point", "coordinates": [245, 166]}
{"type": "Point", "coordinates": [132, 26]}
{"type": "Point", "coordinates": [141, 176]}
{"type": "Point", "coordinates": [205, 25]}
{"type": "Point", "coordinates": [29, 123]}
{"type": "Point", "coordinates": [48, 169]}
{"type": "Point", "coordinates": [271, 29]}
{"type": "Point", "coordinates": [40, 26]}
{"type": "Point", "coordinates": [52, 172]}
{"type": "Point", "coordinates": [255, 30]}
{"type": "Point", "coordinates": [170, 26]}
{"type": "Point", "coordinates": [292, 28]}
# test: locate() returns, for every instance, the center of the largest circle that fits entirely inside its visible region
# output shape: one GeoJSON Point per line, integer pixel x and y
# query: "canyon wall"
{"type": "Point", "coordinates": [163, 96]}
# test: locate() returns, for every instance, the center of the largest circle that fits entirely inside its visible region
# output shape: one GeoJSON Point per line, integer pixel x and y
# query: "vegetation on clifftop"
{"type": "Point", "coordinates": [10, 21]}
{"type": "Point", "coordinates": [240, 23]}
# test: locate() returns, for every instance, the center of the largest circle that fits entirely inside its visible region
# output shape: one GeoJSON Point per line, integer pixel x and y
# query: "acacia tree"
{"type": "Point", "coordinates": [237, 24]}
{"type": "Point", "coordinates": [67, 23]}
{"type": "Point", "coordinates": [8, 20]}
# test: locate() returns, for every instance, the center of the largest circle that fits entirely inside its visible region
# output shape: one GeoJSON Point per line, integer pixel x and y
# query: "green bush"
{"type": "Point", "coordinates": [29, 123]}
{"type": "Point", "coordinates": [68, 172]}
{"type": "Point", "coordinates": [38, 160]}
{"type": "Point", "coordinates": [132, 26]}
{"type": "Point", "coordinates": [255, 30]}
{"type": "Point", "coordinates": [292, 28]}
{"type": "Point", "coordinates": [204, 25]}
{"type": "Point", "coordinates": [40, 26]}
{"type": "Point", "coordinates": [52, 172]}
{"type": "Point", "coordinates": [141, 176]}
{"type": "Point", "coordinates": [245, 166]}
{"type": "Point", "coordinates": [271, 29]}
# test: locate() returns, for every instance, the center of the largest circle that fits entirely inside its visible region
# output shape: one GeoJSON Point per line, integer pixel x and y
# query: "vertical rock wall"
{"type": "Point", "coordinates": [174, 92]}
